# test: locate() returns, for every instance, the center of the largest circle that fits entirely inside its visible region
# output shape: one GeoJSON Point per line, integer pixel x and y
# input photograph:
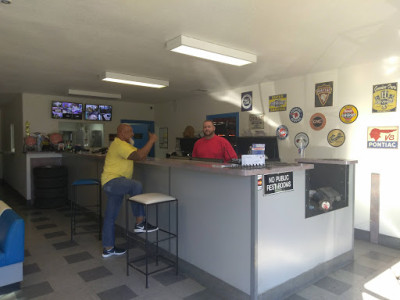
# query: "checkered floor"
{"type": "Point", "coordinates": [56, 268]}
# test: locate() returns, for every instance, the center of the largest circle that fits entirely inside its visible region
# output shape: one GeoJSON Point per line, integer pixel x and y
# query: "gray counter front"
{"type": "Point", "coordinates": [259, 242]}
{"type": "Point", "coordinates": [233, 227]}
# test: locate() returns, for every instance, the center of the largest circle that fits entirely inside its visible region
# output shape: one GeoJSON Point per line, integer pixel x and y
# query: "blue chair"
{"type": "Point", "coordinates": [85, 209]}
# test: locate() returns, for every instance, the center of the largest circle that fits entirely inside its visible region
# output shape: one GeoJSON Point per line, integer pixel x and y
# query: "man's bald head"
{"type": "Point", "coordinates": [124, 132]}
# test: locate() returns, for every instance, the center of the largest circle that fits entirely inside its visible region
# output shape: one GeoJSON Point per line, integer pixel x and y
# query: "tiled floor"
{"type": "Point", "coordinates": [56, 268]}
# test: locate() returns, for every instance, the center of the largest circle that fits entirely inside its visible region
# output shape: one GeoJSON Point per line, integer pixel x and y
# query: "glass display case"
{"type": "Point", "coordinates": [327, 185]}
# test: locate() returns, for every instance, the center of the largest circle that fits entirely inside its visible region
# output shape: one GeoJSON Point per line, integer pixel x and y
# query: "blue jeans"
{"type": "Point", "coordinates": [115, 190]}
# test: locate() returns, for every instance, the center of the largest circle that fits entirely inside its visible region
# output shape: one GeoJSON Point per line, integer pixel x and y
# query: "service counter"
{"type": "Point", "coordinates": [247, 227]}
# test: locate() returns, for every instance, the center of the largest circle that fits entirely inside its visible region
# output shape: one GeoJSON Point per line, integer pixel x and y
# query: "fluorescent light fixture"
{"type": "Point", "coordinates": [135, 80]}
{"type": "Point", "coordinates": [93, 94]}
{"type": "Point", "coordinates": [190, 46]}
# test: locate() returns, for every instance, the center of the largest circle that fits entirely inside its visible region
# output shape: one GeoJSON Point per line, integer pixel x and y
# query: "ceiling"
{"type": "Point", "coordinates": [50, 46]}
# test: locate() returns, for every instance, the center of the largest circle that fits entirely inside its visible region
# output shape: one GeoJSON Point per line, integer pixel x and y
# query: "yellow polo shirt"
{"type": "Point", "coordinates": [117, 163]}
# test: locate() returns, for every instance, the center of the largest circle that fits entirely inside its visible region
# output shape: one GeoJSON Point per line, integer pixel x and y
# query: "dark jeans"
{"type": "Point", "coordinates": [115, 190]}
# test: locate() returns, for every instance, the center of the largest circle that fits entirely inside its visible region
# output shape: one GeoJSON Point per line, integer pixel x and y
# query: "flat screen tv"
{"type": "Point", "coordinates": [66, 110]}
{"type": "Point", "coordinates": [96, 112]}
{"type": "Point", "coordinates": [105, 112]}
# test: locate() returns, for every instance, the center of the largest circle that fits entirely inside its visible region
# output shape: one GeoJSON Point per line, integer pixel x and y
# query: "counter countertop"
{"type": "Point", "coordinates": [332, 161]}
{"type": "Point", "coordinates": [225, 168]}
{"type": "Point", "coordinates": [97, 156]}
{"type": "Point", "coordinates": [214, 167]}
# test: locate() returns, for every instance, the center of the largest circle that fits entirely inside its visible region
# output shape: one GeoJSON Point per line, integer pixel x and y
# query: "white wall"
{"type": "Point", "coordinates": [352, 85]}
{"type": "Point", "coordinates": [37, 110]}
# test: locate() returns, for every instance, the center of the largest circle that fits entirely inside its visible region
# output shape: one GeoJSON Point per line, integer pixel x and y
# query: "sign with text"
{"type": "Point", "coordinates": [384, 97]}
{"type": "Point", "coordinates": [278, 103]}
{"type": "Point", "coordinates": [324, 94]}
{"type": "Point", "coordinates": [383, 137]}
{"type": "Point", "coordinates": [276, 183]}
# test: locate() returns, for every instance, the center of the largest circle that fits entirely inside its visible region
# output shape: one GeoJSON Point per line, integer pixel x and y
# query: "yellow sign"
{"type": "Point", "coordinates": [384, 98]}
{"type": "Point", "coordinates": [278, 103]}
{"type": "Point", "coordinates": [336, 138]}
{"type": "Point", "coordinates": [348, 114]}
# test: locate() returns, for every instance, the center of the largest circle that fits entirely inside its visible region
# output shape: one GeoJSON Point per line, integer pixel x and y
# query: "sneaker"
{"type": "Point", "coordinates": [113, 251]}
{"type": "Point", "coordinates": [141, 227]}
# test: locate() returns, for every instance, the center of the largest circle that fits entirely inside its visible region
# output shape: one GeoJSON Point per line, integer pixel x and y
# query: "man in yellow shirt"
{"type": "Point", "coordinates": [117, 181]}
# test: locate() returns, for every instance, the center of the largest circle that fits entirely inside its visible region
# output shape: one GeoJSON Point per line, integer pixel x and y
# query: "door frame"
{"type": "Point", "coordinates": [151, 129]}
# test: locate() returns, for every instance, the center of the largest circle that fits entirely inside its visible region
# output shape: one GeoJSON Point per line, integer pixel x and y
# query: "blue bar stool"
{"type": "Point", "coordinates": [75, 207]}
{"type": "Point", "coordinates": [163, 234]}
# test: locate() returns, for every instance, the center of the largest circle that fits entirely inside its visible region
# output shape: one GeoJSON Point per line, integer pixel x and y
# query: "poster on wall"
{"type": "Point", "coordinates": [278, 103]}
{"type": "Point", "coordinates": [383, 137]}
{"type": "Point", "coordinates": [163, 137]}
{"type": "Point", "coordinates": [384, 97]}
{"type": "Point", "coordinates": [256, 121]}
{"type": "Point", "coordinates": [324, 94]}
{"type": "Point", "coordinates": [247, 101]}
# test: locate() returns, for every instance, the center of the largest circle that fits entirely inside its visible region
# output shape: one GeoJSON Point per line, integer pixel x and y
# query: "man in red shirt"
{"type": "Point", "coordinates": [213, 146]}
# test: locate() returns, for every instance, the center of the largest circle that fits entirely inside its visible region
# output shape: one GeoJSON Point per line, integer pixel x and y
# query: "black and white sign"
{"type": "Point", "coordinates": [247, 101]}
{"type": "Point", "coordinates": [276, 183]}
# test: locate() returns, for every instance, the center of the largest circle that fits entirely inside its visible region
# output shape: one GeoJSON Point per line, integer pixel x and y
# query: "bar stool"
{"type": "Point", "coordinates": [75, 205]}
{"type": "Point", "coordinates": [162, 234]}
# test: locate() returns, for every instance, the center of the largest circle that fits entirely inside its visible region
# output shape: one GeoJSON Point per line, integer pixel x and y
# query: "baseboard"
{"type": "Point", "coordinates": [298, 283]}
{"type": "Point", "coordinates": [282, 291]}
{"type": "Point", "coordinates": [383, 240]}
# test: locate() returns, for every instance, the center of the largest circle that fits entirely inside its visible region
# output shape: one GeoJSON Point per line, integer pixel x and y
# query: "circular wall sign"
{"type": "Point", "coordinates": [336, 137]}
{"type": "Point", "coordinates": [282, 132]}
{"type": "Point", "coordinates": [296, 114]}
{"type": "Point", "coordinates": [348, 114]}
{"type": "Point", "coordinates": [317, 121]}
{"type": "Point", "coordinates": [301, 140]}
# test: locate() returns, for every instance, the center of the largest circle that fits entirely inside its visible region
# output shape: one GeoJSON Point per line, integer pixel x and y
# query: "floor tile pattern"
{"type": "Point", "coordinates": [57, 268]}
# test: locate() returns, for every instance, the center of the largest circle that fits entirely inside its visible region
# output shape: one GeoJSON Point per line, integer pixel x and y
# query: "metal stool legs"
{"type": "Point", "coordinates": [153, 245]}
{"type": "Point", "coordinates": [75, 206]}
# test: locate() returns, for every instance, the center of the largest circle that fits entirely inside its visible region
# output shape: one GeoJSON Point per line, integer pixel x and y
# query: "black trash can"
{"type": "Point", "coordinates": [50, 183]}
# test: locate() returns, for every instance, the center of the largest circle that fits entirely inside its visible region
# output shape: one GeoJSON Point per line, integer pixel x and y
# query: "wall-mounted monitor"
{"type": "Point", "coordinates": [96, 112]}
{"type": "Point", "coordinates": [105, 112]}
{"type": "Point", "coordinates": [91, 112]}
{"type": "Point", "coordinates": [66, 110]}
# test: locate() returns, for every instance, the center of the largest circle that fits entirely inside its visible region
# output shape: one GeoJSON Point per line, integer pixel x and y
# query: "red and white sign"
{"type": "Point", "coordinates": [383, 137]}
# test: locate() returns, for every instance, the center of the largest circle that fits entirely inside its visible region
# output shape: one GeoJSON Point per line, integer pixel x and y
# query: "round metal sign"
{"type": "Point", "coordinates": [282, 132]}
{"type": "Point", "coordinates": [336, 138]}
{"type": "Point", "coordinates": [296, 114]}
{"type": "Point", "coordinates": [317, 121]}
{"type": "Point", "coordinates": [348, 114]}
{"type": "Point", "coordinates": [301, 140]}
